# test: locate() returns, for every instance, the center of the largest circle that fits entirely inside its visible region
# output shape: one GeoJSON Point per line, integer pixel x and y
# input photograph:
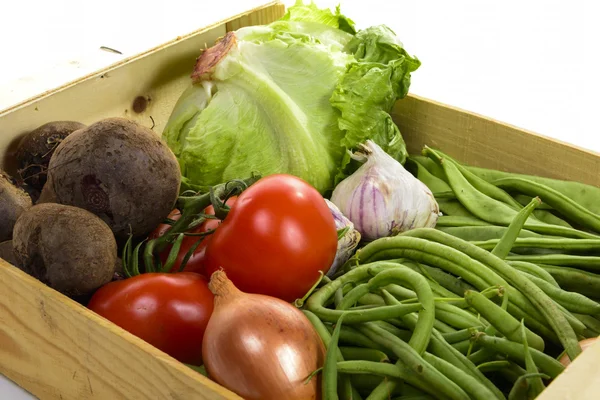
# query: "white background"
{"type": "Point", "coordinates": [533, 64]}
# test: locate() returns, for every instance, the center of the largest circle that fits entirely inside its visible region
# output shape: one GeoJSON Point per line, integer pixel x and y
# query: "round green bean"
{"type": "Point", "coordinates": [546, 306]}
{"type": "Point", "coordinates": [534, 269]}
{"type": "Point", "coordinates": [516, 352]}
{"type": "Point", "coordinates": [468, 383]}
{"type": "Point", "coordinates": [575, 280]}
{"type": "Point", "coordinates": [591, 263]}
{"type": "Point", "coordinates": [460, 220]}
{"type": "Point", "coordinates": [564, 244]}
{"type": "Point", "coordinates": [502, 320]}
{"type": "Point", "coordinates": [414, 361]}
{"type": "Point", "coordinates": [481, 233]}
{"type": "Point", "coordinates": [364, 354]}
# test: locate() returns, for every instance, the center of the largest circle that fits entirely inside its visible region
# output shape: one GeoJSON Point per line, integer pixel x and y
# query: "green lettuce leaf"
{"type": "Point", "coordinates": [294, 97]}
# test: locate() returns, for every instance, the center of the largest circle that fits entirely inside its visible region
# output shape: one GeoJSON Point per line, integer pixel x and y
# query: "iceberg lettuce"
{"type": "Point", "coordinates": [290, 97]}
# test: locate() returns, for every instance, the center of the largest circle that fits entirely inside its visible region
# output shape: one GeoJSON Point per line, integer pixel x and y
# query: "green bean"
{"type": "Point", "coordinates": [440, 255]}
{"type": "Point", "coordinates": [459, 220]}
{"type": "Point", "coordinates": [315, 302]}
{"type": "Point", "coordinates": [502, 320]}
{"type": "Point", "coordinates": [431, 166]}
{"type": "Point", "coordinates": [561, 203]}
{"type": "Point", "coordinates": [459, 336]}
{"type": "Point", "coordinates": [491, 366]}
{"type": "Point", "coordinates": [442, 349]}
{"type": "Point", "coordinates": [591, 263]}
{"type": "Point", "coordinates": [534, 269]}
{"type": "Point", "coordinates": [546, 306]}
{"type": "Point", "coordinates": [443, 327]}
{"type": "Point", "coordinates": [483, 186]}
{"type": "Point", "coordinates": [467, 382]}
{"type": "Point", "coordinates": [481, 233]}
{"type": "Point", "coordinates": [491, 210]}
{"type": "Point", "coordinates": [515, 352]}
{"type": "Point", "coordinates": [512, 372]}
{"type": "Point", "coordinates": [452, 208]}
{"type": "Point", "coordinates": [507, 241]}
{"type": "Point", "coordinates": [435, 380]}
{"type": "Point", "coordinates": [565, 244]}
{"type": "Point", "coordinates": [590, 323]}
{"type": "Point", "coordinates": [575, 280]}
{"type": "Point", "coordinates": [524, 200]}
{"type": "Point", "coordinates": [404, 275]}
{"type": "Point", "coordinates": [481, 356]}
{"type": "Point", "coordinates": [572, 301]}
{"type": "Point", "coordinates": [352, 337]}
{"type": "Point", "coordinates": [533, 324]}
{"type": "Point", "coordinates": [400, 292]}
{"type": "Point", "coordinates": [444, 279]}
{"type": "Point", "coordinates": [537, 386]}
{"type": "Point", "coordinates": [330, 373]}
{"type": "Point", "coordinates": [365, 383]}
{"type": "Point", "coordinates": [414, 397]}
{"type": "Point", "coordinates": [401, 333]}
{"type": "Point", "coordinates": [456, 317]}
{"type": "Point", "coordinates": [400, 371]}
{"type": "Point", "coordinates": [434, 183]}
{"type": "Point", "coordinates": [361, 353]}
{"type": "Point", "coordinates": [521, 387]}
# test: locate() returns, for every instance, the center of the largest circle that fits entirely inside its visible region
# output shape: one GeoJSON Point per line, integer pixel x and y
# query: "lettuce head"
{"type": "Point", "coordinates": [295, 96]}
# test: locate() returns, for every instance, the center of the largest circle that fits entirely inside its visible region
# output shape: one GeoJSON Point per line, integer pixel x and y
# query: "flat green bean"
{"type": "Point", "coordinates": [507, 241]}
{"type": "Point", "coordinates": [561, 203]}
{"type": "Point", "coordinates": [491, 210]}
{"type": "Point", "coordinates": [459, 220]}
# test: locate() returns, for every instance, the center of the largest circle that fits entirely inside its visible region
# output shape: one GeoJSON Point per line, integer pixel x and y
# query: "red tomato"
{"type": "Point", "coordinates": [196, 261]}
{"type": "Point", "coordinates": [169, 311]}
{"type": "Point", "coordinates": [276, 238]}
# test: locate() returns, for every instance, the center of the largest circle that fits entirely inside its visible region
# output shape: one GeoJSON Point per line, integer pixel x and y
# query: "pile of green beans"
{"type": "Point", "coordinates": [480, 307]}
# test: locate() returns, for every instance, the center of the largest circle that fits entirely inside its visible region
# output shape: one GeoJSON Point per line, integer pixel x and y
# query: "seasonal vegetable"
{"type": "Point", "coordinates": [120, 171]}
{"type": "Point", "coordinates": [6, 252]}
{"type": "Point", "coordinates": [65, 247]}
{"type": "Point", "coordinates": [169, 311]}
{"type": "Point", "coordinates": [196, 261]}
{"type": "Point", "coordinates": [13, 202]}
{"type": "Point", "coordinates": [37, 147]}
{"type": "Point", "coordinates": [258, 346]}
{"type": "Point", "coordinates": [276, 238]}
{"type": "Point", "coordinates": [290, 97]}
{"type": "Point", "coordinates": [382, 198]}
{"type": "Point", "coordinates": [347, 243]}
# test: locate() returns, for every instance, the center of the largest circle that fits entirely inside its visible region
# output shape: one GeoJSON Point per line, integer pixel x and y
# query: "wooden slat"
{"type": "Point", "coordinates": [58, 349]}
{"type": "Point", "coordinates": [259, 17]}
{"type": "Point", "coordinates": [484, 142]}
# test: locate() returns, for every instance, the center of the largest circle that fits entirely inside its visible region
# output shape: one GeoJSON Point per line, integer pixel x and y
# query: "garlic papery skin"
{"type": "Point", "coordinates": [347, 243]}
{"type": "Point", "coordinates": [382, 198]}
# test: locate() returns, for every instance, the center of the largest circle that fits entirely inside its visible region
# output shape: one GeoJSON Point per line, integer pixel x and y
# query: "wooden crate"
{"type": "Point", "coordinates": [57, 349]}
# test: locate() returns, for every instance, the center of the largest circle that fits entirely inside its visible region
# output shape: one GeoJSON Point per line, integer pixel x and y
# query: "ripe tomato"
{"type": "Point", "coordinates": [276, 238]}
{"type": "Point", "coordinates": [169, 311]}
{"type": "Point", "coordinates": [196, 261]}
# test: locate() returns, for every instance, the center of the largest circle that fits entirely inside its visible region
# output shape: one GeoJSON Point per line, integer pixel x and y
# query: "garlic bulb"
{"type": "Point", "coordinates": [382, 198]}
{"type": "Point", "coordinates": [347, 243]}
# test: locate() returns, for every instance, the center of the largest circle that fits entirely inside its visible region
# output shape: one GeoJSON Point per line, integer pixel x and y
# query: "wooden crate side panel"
{"type": "Point", "coordinates": [483, 142]}
{"type": "Point", "coordinates": [58, 349]}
